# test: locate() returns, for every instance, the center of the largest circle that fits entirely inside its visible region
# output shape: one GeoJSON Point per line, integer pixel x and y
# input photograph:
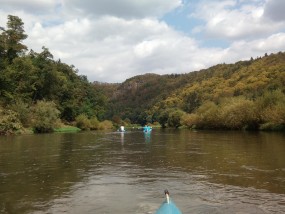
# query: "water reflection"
{"type": "Point", "coordinates": [98, 172]}
{"type": "Point", "coordinates": [147, 136]}
{"type": "Point", "coordinates": [122, 138]}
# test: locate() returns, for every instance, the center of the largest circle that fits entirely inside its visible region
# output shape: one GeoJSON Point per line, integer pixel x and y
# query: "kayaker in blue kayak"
{"type": "Point", "coordinates": [168, 206]}
{"type": "Point", "coordinates": [147, 128]}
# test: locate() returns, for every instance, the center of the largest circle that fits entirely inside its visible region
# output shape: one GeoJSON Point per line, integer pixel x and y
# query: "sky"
{"type": "Point", "coordinates": [113, 40]}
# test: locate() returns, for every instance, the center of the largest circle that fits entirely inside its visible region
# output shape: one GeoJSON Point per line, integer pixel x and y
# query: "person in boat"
{"type": "Point", "coordinates": [122, 129]}
{"type": "Point", "coordinates": [147, 128]}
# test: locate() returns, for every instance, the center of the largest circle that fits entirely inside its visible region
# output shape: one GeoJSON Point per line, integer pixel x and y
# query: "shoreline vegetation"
{"type": "Point", "coordinates": [39, 94]}
{"type": "Point", "coordinates": [67, 128]}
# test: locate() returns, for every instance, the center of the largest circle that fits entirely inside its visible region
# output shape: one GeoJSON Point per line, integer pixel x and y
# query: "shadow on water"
{"type": "Point", "coordinates": [112, 172]}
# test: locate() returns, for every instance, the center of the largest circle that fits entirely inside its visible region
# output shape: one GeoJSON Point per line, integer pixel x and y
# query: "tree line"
{"type": "Point", "coordinates": [39, 92]}
{"type": "Point", "coordinates": [244, 95]}
{"type": "Point", "coordinates": [267, 112]}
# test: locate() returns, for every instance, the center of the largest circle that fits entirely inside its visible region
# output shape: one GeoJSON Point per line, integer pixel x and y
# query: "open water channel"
{"type": "Point", "coordinates": [120, 173]}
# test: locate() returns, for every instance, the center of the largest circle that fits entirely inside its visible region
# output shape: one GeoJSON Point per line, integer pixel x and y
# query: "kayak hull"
{"type": "Point", "coordinates": [168, 208]}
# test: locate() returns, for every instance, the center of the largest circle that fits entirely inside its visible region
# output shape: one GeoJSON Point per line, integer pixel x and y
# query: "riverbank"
{"type": "Point", "coordinates": [67, 128]}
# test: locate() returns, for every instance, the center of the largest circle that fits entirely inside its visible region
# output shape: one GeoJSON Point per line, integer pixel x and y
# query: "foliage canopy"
{"type": "Point", "coordinates": [37, 90]}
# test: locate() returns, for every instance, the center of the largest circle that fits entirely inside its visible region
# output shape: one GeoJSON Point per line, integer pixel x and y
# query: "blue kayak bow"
{"type": "Point", "coordinates": [168, 206]}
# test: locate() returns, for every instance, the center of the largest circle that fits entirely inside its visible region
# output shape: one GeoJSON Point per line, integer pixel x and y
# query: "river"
{"type": "Point", "coordinates": [109, 172]}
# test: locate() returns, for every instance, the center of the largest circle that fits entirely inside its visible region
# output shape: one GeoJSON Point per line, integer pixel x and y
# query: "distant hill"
{"type": "Point", "coordinates": [248, 78]}
{"type": "Point", "coordinates": [132, 98]}
{"type": "Point", "coordinates": [142, 97]}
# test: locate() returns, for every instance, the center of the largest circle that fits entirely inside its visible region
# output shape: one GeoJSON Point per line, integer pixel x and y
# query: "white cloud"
{"type": "Point", "coordinates": [125, 49]}
{"type": "Point", "coordinates": [232, 19]}
{"type": "Point", "coordinates": [274, 9]}
{"type": "Point", "coordinates": [243, 50]}
{"type": "Point", "coordinates": [113, 42]}
{"type": "Point", "coordinates": [113, 49]}
{"type": "Point", "coordinates": [32, 6]}
{"type": "Point", "coordinates": [273, 43]}
{"type": "Point", "coordinates": [123, 8]}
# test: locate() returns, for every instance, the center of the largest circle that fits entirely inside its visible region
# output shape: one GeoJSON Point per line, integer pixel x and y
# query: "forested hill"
{"type": "Point", "coordinates": [40, 93]}
{"type": "Point", "coordinates": [250, 79]}
{"type": "Point", "coordinates": [133, 98]}
{"type": "Point", "coordinates": [257, 83]}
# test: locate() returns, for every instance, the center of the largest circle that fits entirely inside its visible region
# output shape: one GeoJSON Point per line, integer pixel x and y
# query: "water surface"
{"type": "Point", "coordinates": [109, 172]}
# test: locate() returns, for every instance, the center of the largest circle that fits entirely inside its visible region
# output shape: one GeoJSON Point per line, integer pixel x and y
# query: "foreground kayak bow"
{"type": "Point", "coordinates": [168, 206]}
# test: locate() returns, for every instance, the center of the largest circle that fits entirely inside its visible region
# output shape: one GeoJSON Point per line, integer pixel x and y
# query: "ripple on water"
{"type": "Point", "coordinates": [252, 168]}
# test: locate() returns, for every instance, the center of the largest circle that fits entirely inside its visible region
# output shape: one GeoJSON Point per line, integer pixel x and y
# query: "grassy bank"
{"type": "Point", "coordinates": [67, 128]}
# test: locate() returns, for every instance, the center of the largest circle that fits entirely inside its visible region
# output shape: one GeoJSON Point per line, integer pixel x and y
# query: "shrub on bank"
{"type": "Point", "coordinates": [45, 116]}
{"type": "Point", "coordinates": [9, 122]}
{"type": "Point", "coordinates": [106, 124]}
{"type": "Point", "coordinates": [190, 120]}
{"type": "Point", "coordinates": [174, 118]}
{"type": "Point", "coordinates": [239, 113]}
{"type": "Point", "coordinates": [231, 113]}
{"type": "Point", "coordinates": [94, 123]}
{"type": "Point", "coordinates": [209, 116]}
{"type": "Point", "coordinates": [83, 122]}
{"type": "Point", "coordinates": [271, 108]}
{"type": "Point", "coordinates": [67, 128]}
{"type": "Point", "coordinates": [23, 111]}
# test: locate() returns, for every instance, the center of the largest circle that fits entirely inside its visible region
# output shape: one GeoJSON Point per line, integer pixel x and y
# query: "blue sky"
{"type": "Point", "coordinates": [111, 41]}
{"type": "Point", "coordinates": [181, 20]}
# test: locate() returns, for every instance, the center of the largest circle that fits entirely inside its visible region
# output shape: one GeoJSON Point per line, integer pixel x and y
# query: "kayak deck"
{"type": "Point", "coordinates": [168, 206]}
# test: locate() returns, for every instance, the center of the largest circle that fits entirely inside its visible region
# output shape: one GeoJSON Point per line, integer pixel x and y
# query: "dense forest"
{"type": "Point", "coordinates": [41, 94]}
{"type": "Point", "coordinates": [244, 95]}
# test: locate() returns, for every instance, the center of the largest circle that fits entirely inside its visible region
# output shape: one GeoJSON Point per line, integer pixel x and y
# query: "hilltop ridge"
{"type": "Point", "coordinates": [142, 97]}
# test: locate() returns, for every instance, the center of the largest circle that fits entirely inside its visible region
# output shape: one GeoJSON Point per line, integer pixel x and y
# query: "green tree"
{"type": "Point", "coordinates": [272, 107]}
{"type": "Point", "coordinates": [13, 37]}
{"type": "Point", "coordinates": [238, 113]}
{"type": "Point", "coordinates": [9, 122]}
{"type": "Point", "coordinates": [192, 101]}
{"type": "Point", "coordinates": [208, 116]}
{"type": "Point", "coordinates": [45, 116]}
{"type": "Point", "coordinates": [162, 117]}
{"type": "Point", "coordinates": [174, 118]}
{"type": "Point", "coordinates": [2, 49]}
{"type": "Point", "coordinates": [190, 120]}
{"type": "Point", "coordinates": [21, 78]}
{"type": "Point", "coordinates": [23, 112]}
{"type": "Point", "coordinates": [94, 122]}
{"type": "Point", "coordinates": [83, 122]}
{"type": "Point", "coordinates": [106, 124]}
{"type": "Point", "coordinates": [117, 120]}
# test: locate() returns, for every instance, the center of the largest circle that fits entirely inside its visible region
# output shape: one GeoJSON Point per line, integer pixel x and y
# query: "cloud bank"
{"type": "Point", "coordinates": [111, 41]}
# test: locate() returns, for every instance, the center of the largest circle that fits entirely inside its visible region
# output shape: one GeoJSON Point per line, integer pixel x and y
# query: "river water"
{"type": "Point", "coordinates": [109, 172]}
